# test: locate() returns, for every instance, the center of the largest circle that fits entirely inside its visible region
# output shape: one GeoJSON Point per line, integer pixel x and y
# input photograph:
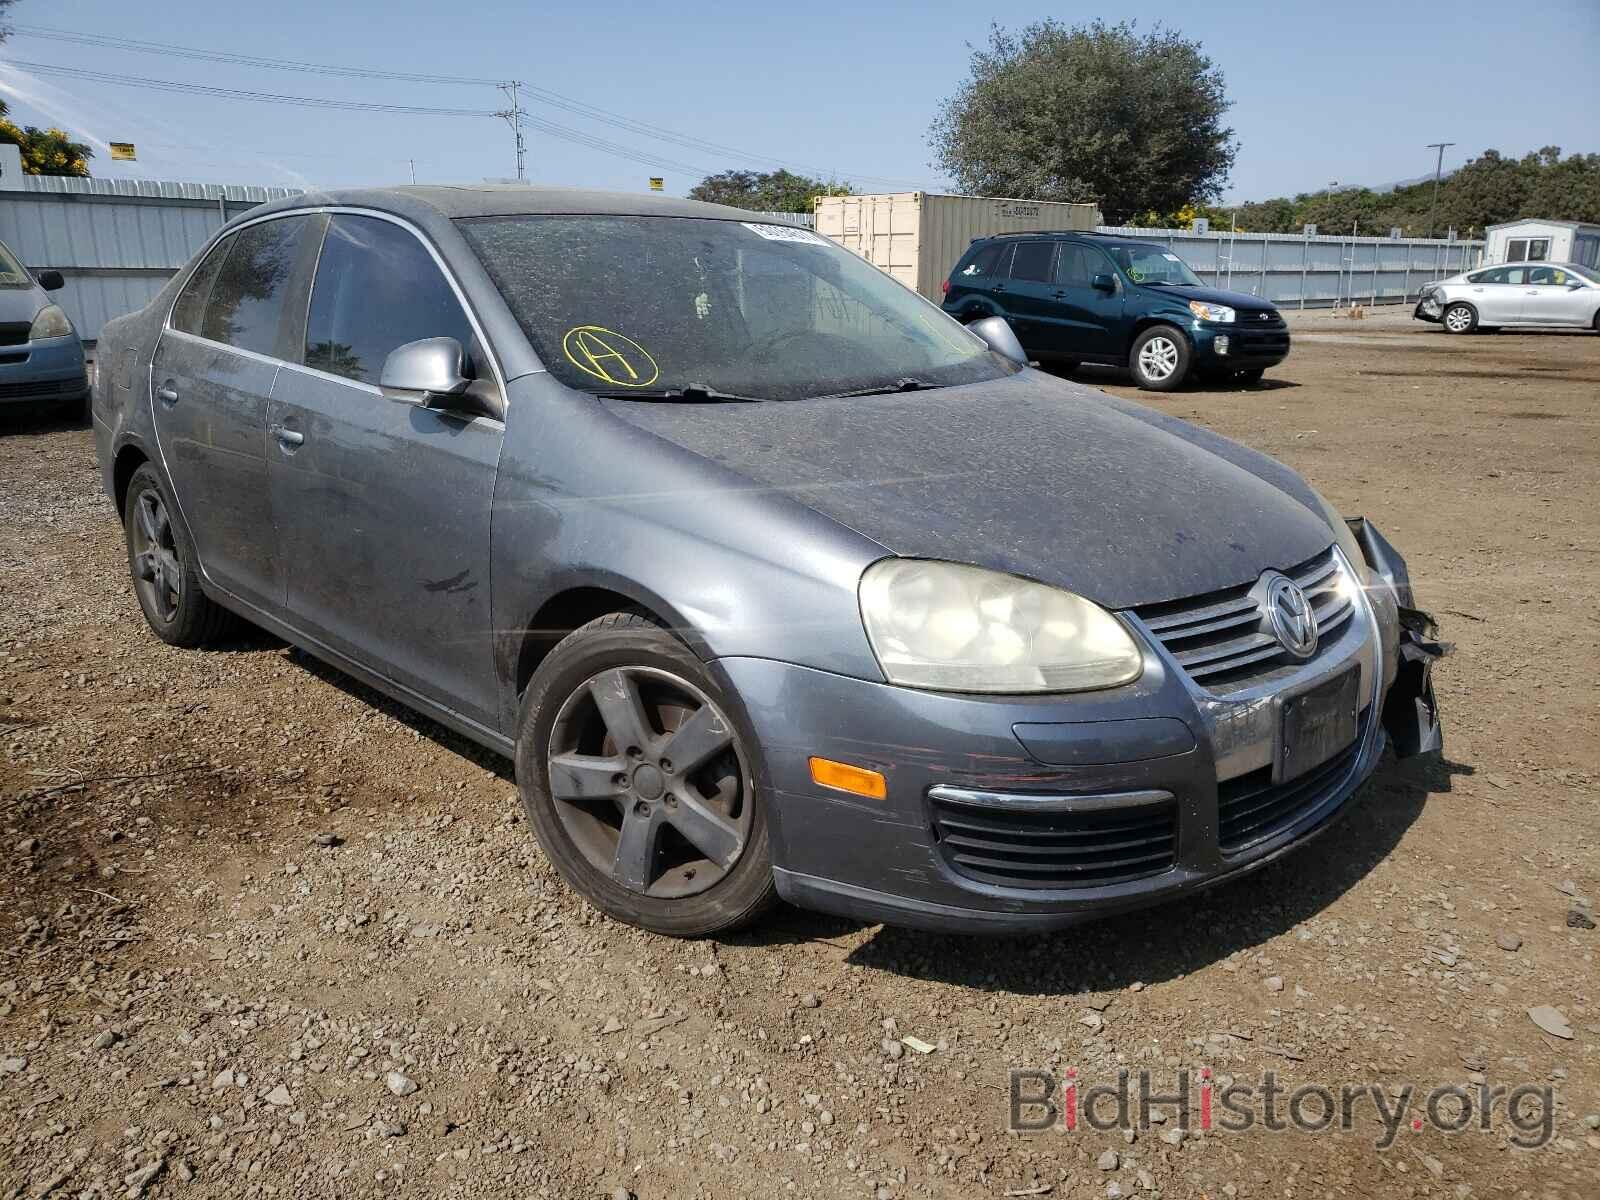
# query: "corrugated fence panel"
{"type": "Point", "coordinates": [1315, 272]}
{"type": "Point", "coordinates": [116, 242]}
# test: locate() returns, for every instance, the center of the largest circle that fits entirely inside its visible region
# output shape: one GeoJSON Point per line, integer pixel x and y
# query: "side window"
{"type": "Point", "coordinates": [1497, 275]}
{"type": "Point", "coordinates": [189, 312]}
{"type": "Point", "coordinates": [1073, 267]}
{"type": "Point", "coordinates": [246, 306]}
{"type": "Point", "coordinates": [983, 262]}
{"type": "Point", "coordinates": [1032, 261]}
{"type": "Point", "coordinates": [377, 288]}
{"type": "Point", "coordinates": [1550, 277]}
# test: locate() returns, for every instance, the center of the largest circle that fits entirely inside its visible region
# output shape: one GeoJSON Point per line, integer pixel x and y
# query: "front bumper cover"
{"type": "Point", "coordinates": [881, 860]}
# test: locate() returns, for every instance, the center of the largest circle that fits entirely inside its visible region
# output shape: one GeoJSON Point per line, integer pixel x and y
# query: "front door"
{"type": "Point", "coordinates": [211, 377]}
{"type": "Point", "coordinates": [1555, 296]}
{"type": "Point", "coordinates": [383, 506]}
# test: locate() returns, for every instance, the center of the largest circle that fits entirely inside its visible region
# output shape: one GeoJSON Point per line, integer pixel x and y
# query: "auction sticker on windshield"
{"type": "Point", "coordinates": [786, 233]}
{"type": "Point", "coordinates": [609, 356]}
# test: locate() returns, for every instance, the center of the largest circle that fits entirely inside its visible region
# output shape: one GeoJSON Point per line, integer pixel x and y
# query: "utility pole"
{"type": "Point", "coordinates": [513, 117]}
{"type": "Point", "coordinates": [1438, 170]}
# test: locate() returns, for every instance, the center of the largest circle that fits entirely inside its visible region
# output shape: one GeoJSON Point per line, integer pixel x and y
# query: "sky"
{"type": "Point", "coordinates": [1349, 92]}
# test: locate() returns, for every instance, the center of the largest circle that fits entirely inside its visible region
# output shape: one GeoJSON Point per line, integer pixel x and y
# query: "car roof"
{"type": "Point", "coordinates": [453, 201]}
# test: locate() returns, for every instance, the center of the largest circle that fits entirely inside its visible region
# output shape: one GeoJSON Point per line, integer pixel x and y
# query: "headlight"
{"type": "Point", "coordinates": [50, 322]}
{"type": "Point", "coordinates": [1211, 312]}
{"type": "Point", "coordinates": [955, 628]}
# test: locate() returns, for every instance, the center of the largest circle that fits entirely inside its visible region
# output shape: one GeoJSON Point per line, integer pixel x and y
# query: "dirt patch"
{"type": "Point", "coordinates": [247, 904]}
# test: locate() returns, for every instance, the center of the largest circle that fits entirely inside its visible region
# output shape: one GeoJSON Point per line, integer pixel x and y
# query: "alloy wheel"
{"type": "Point", "coordinates": [156, 571]}
{"type": "Point", "coordinates": [649, 782]}
{"type": "Point", "coordinates": [1459, 319]}
{"type": "Point", "coordinates": [1158, 358]}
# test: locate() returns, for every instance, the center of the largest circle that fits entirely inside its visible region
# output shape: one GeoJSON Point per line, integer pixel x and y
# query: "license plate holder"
{"type": "Point", "coordinates": [1316, 724]}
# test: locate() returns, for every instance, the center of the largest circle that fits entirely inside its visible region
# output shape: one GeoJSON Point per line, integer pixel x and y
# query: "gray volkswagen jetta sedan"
{"type": "Point", "coordinates": [774, 580]}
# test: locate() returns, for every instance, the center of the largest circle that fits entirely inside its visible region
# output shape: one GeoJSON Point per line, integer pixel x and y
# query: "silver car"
{"type": "Point", "coordinates": [1538, 294]}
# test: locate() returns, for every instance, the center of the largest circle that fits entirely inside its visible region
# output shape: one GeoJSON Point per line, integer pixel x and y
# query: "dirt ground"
{"type": "Point", "coordinates": [200, 998]}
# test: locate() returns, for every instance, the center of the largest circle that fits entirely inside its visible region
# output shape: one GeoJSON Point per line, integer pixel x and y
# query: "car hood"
{"type": "Point", "coordinates": [21, 303]}
{"type": "Point", "coordinates": [1237, 300]}
{"type": "Point", "coordinates": [1029, 474]}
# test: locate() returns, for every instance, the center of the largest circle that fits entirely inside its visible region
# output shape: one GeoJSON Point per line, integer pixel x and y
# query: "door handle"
{"type": "Point", "coordinates": [167, 394]}
{"type": "Point", "coordinates": [288, 438]}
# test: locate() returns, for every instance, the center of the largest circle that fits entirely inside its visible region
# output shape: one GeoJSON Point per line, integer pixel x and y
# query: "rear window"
{"type": "Point", "coordinates": [985, 262]}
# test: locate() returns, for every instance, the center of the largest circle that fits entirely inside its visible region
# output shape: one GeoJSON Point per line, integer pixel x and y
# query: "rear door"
{"type": "Point", "coordinates": [383, 506]}
{"type": "Point", "coordinates": [974, 278]}
{"type": "Point", "coordinates": [1555, 296]}
{"type": "Point", "coordinates": [1088, 318]}
{"type": "Point", "coordinates": [212, 375]}
{"type": "Point", "coordinates": [1029, 297]}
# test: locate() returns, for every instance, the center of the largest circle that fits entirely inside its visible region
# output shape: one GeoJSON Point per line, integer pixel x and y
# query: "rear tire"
{"type": "Point", "coordinates": [1459, 317]}
{"type": "Point", "coordinates": [164, 569]}
{"type": "Point", "coordinates": [1160, 359]}
{"type": "Point", "coordinates": [700, 861]}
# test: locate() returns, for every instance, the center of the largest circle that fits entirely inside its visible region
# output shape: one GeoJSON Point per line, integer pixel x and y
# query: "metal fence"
{"type": "Point", "coordinates": [115, 241]}
{"type": "Point", "coordinates": [1294, 271]}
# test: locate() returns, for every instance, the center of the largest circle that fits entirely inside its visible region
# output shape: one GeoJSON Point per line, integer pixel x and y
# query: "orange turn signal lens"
{"type": "Point", "coordinates": [842, 777]}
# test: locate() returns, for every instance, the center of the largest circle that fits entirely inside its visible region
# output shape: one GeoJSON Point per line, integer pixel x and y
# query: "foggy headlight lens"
{"type": "Point", "coordinates": [950, 627]}
{"type": "Point", "coordinates": [50, 322]}
{"type": "Point", "coordinates": [1211, 312]}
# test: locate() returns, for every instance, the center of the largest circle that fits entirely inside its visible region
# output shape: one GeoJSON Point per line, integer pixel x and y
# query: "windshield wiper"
{"type": "Point", "coordinates": [692, 392]}
{"type": "Point", "coordinates": [887, 389]}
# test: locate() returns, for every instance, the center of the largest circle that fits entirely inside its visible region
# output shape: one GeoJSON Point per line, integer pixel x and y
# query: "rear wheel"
{"type": "Point", "coordinates": [166, 574]}
{"type": "Point", "coordinates": [1459, 318]}
{"type": "Point", "coordinates": [638, 783]}
{"type": "Point", "coordinates": [1160, 359]}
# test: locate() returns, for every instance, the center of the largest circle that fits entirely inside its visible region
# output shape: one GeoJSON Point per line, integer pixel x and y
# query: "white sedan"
{"type": "Point", "coordinates": [1538, 294]}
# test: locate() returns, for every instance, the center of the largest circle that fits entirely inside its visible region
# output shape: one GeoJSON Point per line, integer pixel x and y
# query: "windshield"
{"type": "Point", "coordinates": [645, 305]}
{"type": "Point", "coordinates": [12, 273]}
{"type": "Point", "coordinates": [1153, 264]}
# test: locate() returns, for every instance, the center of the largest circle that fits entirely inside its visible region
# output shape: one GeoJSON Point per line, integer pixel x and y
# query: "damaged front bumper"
{"type": "Point", "coordinates": [1428, 308]}
{"type": "Point", "coordinates": [1410, 712]}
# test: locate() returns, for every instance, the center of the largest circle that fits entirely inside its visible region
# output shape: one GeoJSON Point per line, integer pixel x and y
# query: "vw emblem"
{"type": "Point", "coordinates": [1294, 622]}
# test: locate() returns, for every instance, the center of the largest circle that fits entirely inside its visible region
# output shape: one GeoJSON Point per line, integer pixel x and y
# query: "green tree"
{"type": "Point", "coordinates": [45, 151]}
{"type": "Point", "coordinates": [774, 191]}
{"type": "Point", "coordinates": [1089, 112]}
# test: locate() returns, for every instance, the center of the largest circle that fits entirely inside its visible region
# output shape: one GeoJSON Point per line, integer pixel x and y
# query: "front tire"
{"type": "Point", "coordinates": [638, 782]}
{"type": "Point", "coordinates": [1160, 359]}
{"type": "Point", "coordinates": [165, 571]}
{"type": "Point", "coordinates": [1459, 318]}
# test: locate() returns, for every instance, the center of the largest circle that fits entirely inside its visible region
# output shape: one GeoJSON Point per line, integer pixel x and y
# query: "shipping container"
{"type": "Point", "coordinates": [918, 236]}
{"type": "Point", "coordinates": [1532, 240]}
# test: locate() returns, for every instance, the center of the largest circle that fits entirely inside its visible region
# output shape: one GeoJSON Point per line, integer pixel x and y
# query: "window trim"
{"type": "Point", "coordinates": [354, 210]}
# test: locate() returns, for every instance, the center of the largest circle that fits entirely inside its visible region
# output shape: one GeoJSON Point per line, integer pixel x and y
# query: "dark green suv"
{"type": "Point", "coordinates": [1084, 297]}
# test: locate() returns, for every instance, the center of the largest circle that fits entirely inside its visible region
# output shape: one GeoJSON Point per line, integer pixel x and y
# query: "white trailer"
{"type": "Point", "coordinates": [917, 237]}
{"type": "Point", "coordinates": [1533, 240]}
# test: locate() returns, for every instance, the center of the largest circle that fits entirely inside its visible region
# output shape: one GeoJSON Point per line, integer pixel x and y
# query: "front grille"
{"type": "Point", "coordinates": [14, 333]}
{"type": "Point", "coordinates": [38, 389]}
{"type": "Point", "coordinates": [1015, 849]}
{"type": "Point", "coordinates": [1251, 808]}
{"type": "Point", "coordinates": [1223, 640]}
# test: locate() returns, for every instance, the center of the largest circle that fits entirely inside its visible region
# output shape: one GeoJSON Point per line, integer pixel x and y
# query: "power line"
{"type": "Point", "coordinates": [201, 89]}
{"type": "Point", "coordinates": [227, 56]}
{"type": "Point", "coordinates": [566, 133]}
{"type": "Point", "coordinates": [553, 99]}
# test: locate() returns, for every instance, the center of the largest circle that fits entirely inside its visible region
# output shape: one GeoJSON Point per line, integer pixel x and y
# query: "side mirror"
{"type": "Point", "coordinates": [1104, 282]}
{"type": "Point", "coordinates": [423, 372]}
{"type": "Point", "coordinates": [1573, 285]}
{"type": "Point", "coordinates": [998, 337]}
{"type": "Point", "coordinates": [51, 281]}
